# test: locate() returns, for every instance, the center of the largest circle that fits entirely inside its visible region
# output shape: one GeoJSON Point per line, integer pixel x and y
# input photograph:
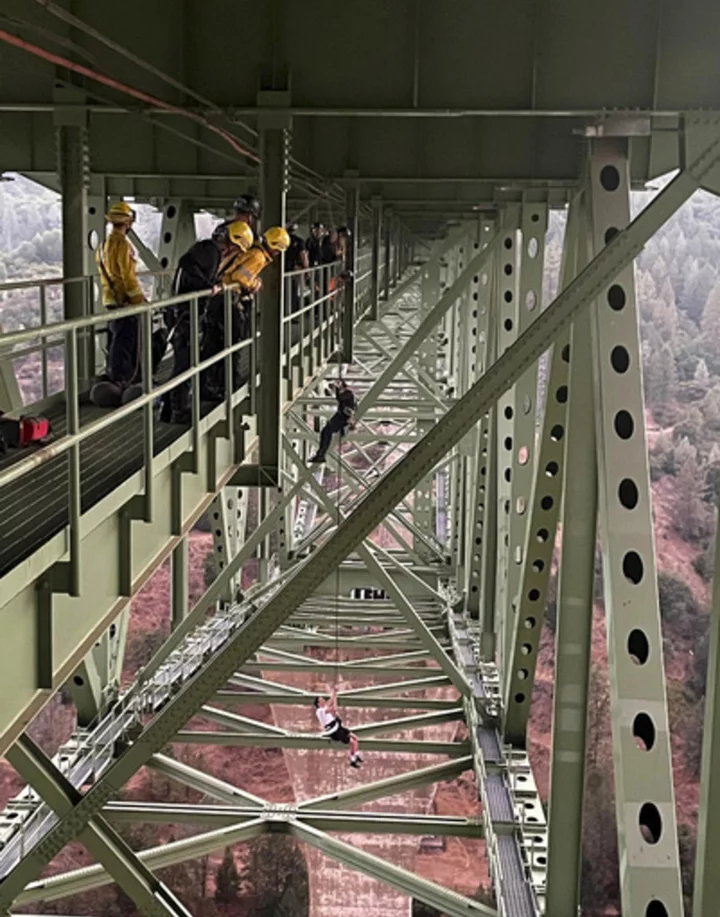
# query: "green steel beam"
{"type": "Point", "coordinates": [425, 328]}
{"type": "Point", "coordinates": [82, 880]}
{"type": "Point", "coordinates": [235, 721]}
{"type": "Point", "coordinates": [573, 636]}
{"type": "Point", "coordinates": [643, 779]}
{"type": "Point", "coordinates": [345, 822]}
{"type": "Point", "coordinates": [318, 742]}
{"type": "Point", "coordinates": [544, 509]}
{"type": "Point", "coordinates": [418, 684]}
{"type": "Point", "coordinates": [447, 902]}
{"type": "Point", "coordinates": [707, 874]}
{"type": "Point", "coordinates": [390, 786]}
{"type": "Point", "coordinates": [398, 482]}
{"type": "Point", "coordinates": [419, 721]}
{"type": "Point", "coordinates": [377, 703]}
{"type": "Point", "coordinates": [330, 667]}
{"type": "Point", "coordinates": [150, 895]}
{"type": "Point", "coordinates": [203, 783]}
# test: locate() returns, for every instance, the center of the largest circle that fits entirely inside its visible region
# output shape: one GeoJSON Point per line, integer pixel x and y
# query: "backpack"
{"type": "Point", "coordinates": [23, 432]}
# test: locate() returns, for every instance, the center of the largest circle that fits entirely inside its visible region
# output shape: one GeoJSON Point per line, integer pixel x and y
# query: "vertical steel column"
{"type": "Point", "coordinates": [179, 592]}
{"type": "Point", "coordinates": [352, 208]}
{"type": "Point", "coordinates": [389, 235]}
{"type": "Point", "coordinates": [707, 874]}
{"type": "Point", "coordinates": [377, 222]}
{"type": "Point", "coordinates": [506, 274]}
{"type": "Point", "coordinates": [488, 457]}
{"type": "Point", "coordinates": [96, 209]}
{"type": "Point", "coordinates": [645, 804]}
{"type": "Point", "coordinates": [275, 155]}
{"type": "Point", "coordinates": [177, 234]}
{"type": "Point", "coordinates": [422, 496]}
{"type": "Point", "coordinates": [463, 337]}
{"type": "Point", "coordinates": [480, 293]}
{"type": "Point", "coordinates": [543, 515]}
{"type": "Point", "coordinates": [524, 421]}
{"type": "Point", "coordinates": [74, 173]}
{"type": "Point", "coordinates": [573, 636]}
{"type": "Point", "coordinates": [227, 515]}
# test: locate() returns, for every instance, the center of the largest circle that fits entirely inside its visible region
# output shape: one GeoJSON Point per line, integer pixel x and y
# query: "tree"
{"type": "Point", "coordinates": [660, 376]}
{"type": "Point", "coordinates": [276, 878]}
{"type": "Point", "coordinates": [702, 374]}
{"type": "Point", "coordinates": [227, 879]}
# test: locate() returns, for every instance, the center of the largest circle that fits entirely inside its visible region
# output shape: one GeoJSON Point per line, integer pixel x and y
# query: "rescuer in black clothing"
{"type": "Point", "coordinates": [296, 259]}
{"type": "Point", "coordinates": [200, 268]}
{"type": "Point", "coordinates": [248, 209]}
{"type": "Point", "coordinates": [339, 422]}
{"type": "Point", "coordinates": [314, 244]}
{"type": "Point", "coordinates": [330, 249]}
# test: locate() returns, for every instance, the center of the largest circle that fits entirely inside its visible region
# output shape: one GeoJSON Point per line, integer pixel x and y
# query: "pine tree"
{"type": "Point", "coordinates": [227, 879]}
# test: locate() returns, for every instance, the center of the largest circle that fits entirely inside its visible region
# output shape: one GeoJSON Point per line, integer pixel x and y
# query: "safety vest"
{"type": "Point", "coordinates": [245, 268]}
{"type": "Point", "coordinates": [116, 261]}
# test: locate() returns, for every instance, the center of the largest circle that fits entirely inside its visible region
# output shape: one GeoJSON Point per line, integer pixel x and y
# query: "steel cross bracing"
{"type": "Point", "coordinates": [207, 658]}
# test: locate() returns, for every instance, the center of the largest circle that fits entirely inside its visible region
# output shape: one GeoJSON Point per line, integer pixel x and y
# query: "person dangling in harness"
{"type": "Point", "coordinates": [327, 714]}
{"type": "Point", "coordinates": [116, 261]}
{"type": "Point", "coordinates": [200, 268]}
{"type": "Point", "coordinates": [341, 420]}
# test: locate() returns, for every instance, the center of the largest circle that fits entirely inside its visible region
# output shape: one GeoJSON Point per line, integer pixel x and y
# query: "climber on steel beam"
{"type": "Point", "coordinates": [332, 726]}
{"type": "Point", "coordinates": [341, 420]}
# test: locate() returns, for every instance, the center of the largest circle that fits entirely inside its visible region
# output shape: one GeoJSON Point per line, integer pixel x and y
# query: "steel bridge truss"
{"type": "Point", "coordinates": [413, 568]}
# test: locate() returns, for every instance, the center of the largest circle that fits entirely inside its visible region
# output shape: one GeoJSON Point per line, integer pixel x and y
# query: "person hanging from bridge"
{"type": "Point", "coordinates": [201, 268]}
{"type": "Point", "coordinates": [327, 714]}
{"type": "Point", "coordinates": [244, 272]}
{"type": "Point", "coordinates": [116, 260]}
{"type": "Point", "coordinates": [342, 419]}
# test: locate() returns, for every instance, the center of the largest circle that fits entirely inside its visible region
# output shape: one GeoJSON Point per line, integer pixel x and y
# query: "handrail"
{"type": "Point", "coordinates": [8, 287]}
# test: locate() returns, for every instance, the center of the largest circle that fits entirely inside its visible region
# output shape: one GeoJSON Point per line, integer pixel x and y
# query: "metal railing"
{"type": "Point", "coordinates": [319, 326]}
{"type": "Point", "coordinates": [46, 307]}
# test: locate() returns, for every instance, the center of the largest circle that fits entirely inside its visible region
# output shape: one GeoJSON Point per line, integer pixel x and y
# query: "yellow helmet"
{"type": "Point", "coordinates": [120, 213]}
{"type": "Point", "coordinates": [277, 239]}
{"type": "Point", "coordinates": [240, 234]}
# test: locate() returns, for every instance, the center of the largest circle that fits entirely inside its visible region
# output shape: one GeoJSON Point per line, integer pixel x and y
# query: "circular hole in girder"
{"type": "Point", "coordinates": [610, 178]}
{"type": "Point", "coordinates": [650, 823]}
{"type": "Point", "coordinates": [628, 493]}
{"type": "Point", "coordinates": [616, 297]}
{"type": "Point", "coordinates": [638, 646]}
{"type": "Point", "coordinates": [644, 731]}
{"type": "Point", "coordinates": [633, 569]}
{"type": "Point", "coordinates": [533, 247]}
{"type": "Point", "coordinates": [624, 424]}
{"type": "Point", "coordinates": [620, 359]}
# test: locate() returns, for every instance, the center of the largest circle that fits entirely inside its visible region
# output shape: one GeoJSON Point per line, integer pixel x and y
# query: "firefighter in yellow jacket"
{"type": "Point", "coordinates": [116, 261]}
{"type": "Point", "coordinates": [244, 272]}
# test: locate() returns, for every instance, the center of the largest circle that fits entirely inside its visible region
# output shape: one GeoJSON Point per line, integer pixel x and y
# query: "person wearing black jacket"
{"type": "Point", "coordinates": [314, 244]}
{"type": "Point", "coordinates": [199, 269]}
{"type": "Point", "coordinates": [339, 422]}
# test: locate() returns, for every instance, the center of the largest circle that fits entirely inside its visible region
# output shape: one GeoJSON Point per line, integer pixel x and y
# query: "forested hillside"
{"type": "Point", "coordinates": [678, 284]}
